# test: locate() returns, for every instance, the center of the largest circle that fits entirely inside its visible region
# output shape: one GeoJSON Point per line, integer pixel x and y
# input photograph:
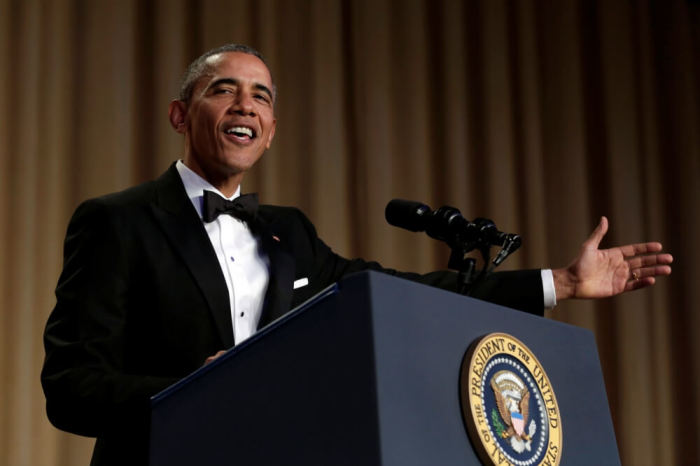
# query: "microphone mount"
{"type": "Point", "coordinates": [462, 236]}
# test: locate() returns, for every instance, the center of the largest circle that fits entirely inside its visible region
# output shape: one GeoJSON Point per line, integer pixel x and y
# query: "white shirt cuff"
{"type": "Point", "coordinates": [550, 295]}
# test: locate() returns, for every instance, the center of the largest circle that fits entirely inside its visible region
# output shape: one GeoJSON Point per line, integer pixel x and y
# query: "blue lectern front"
{"type": "Point", "coordinates": [367, 373]}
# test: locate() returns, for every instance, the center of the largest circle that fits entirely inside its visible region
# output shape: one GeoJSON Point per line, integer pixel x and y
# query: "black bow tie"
{"type": "Point", "coordinates": [243, 207]}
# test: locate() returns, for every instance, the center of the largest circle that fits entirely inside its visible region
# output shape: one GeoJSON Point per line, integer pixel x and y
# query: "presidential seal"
{"type": "Point", "coordinates": [508, 404]}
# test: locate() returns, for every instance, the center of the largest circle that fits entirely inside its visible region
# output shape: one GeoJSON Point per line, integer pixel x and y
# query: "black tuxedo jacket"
{"type": "Point", "coordinates": [141, 302]}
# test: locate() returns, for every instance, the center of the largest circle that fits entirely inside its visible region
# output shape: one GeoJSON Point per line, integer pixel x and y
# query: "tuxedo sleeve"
{"type": "Point", "coordinates": [520, 290]}
{"type": "Point", "coordinates": [88, 391]}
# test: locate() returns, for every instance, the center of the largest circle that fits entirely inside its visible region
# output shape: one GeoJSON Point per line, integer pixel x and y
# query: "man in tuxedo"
{"type": "Point", "coordinates": [162, 277]}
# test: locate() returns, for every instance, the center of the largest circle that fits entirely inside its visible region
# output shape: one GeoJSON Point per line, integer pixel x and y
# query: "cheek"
{"type": "Point", "coordinates": [204, 128]}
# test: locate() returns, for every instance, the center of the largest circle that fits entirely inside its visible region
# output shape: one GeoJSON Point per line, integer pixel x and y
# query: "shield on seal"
{"type": "Point", "coordinates": [518, 422]}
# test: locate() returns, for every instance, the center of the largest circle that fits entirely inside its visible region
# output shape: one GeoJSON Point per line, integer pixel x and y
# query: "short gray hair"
{"type": "Point", "coordinates": [199, 67]}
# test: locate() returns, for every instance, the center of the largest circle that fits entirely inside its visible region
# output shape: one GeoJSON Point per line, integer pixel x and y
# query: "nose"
{"type": "Point", "coordinates": [243, 104]}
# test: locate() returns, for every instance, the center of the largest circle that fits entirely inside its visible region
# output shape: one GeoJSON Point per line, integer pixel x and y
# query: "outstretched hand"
{"type": "Point", "coordinates": [599, 273]}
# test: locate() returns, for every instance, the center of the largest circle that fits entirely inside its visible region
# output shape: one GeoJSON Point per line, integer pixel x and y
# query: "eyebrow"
{"type": "Point", "coordinates": [236, 82]}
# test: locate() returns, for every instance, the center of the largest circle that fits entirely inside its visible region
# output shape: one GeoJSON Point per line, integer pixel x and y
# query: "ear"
{"type": "Point", "coordinates": [272, 133]}
{"type": "Point", "coordinates": [177, 111]}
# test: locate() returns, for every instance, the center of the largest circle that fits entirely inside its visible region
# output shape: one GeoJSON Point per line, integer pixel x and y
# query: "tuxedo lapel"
{"type": "Point", "coordinates": [278, 297]}
{"type": "Point", "coordinates": [181, 224]}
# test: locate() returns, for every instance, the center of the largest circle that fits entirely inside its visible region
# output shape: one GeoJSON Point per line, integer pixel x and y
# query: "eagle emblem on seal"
{"type": "Point", "coordinates": [513, 403]}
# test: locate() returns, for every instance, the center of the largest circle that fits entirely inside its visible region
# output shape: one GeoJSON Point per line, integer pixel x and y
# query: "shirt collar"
{"type": "Point", "coordinates": [195, 186]}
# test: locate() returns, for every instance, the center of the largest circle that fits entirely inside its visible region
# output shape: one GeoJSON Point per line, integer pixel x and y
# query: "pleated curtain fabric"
{"type": "Point", "coordinates": [541, 115]}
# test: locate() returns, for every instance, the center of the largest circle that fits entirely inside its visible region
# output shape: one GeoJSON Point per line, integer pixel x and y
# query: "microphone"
{"type": "Point", "coordinates": [447, 224]}
{"type": "Point", "coordinates": [409, 215]}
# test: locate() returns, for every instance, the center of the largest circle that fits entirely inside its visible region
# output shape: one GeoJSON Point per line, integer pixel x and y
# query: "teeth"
{"type": "Point", "coordinates": [240, 130]}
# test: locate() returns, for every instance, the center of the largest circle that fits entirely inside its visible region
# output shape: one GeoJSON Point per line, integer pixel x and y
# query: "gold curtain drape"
{"type": "Point", "coordinates": [542, 115]}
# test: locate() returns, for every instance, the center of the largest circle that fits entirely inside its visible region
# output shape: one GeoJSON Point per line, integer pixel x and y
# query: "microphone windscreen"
{"type": "Point", "coordinates": [410, 215]}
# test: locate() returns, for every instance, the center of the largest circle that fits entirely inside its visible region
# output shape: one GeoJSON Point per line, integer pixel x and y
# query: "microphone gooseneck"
{"type": "Point", "coordinates": [463, 236]}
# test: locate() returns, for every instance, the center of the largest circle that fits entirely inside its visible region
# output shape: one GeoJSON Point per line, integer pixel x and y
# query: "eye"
{"type": "Point", "coordinates": [262, 97]}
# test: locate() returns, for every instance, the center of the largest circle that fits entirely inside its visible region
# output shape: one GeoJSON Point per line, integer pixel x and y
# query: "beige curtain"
{"type": "Point", "coordinates": [540, 115]}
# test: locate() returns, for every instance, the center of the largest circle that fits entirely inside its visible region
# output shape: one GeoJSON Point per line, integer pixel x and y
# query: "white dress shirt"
{"type": "Point", "coordinates": [243, 264]}
{"type": "Point", "coordinates": [550, 295]}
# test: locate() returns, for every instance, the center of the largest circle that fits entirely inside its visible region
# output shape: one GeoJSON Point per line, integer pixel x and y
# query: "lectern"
{"type": "Point", "coordinates": [367, 373]}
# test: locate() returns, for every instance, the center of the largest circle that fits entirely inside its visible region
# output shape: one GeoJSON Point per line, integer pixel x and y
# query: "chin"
{"type": "Point", "coordinates": [240, 164]}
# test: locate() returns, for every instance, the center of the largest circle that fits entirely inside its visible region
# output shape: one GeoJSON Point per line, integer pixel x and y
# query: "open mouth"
{"type": "Point", "coordinates": [242, 133]}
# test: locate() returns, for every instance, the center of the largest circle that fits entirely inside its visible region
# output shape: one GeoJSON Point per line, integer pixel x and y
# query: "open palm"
{"type": "Point", "coordinates": [599, 273]}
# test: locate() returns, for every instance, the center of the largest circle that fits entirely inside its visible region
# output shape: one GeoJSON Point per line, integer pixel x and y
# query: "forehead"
{"type": "Point", "coordinates": [240, 66]}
